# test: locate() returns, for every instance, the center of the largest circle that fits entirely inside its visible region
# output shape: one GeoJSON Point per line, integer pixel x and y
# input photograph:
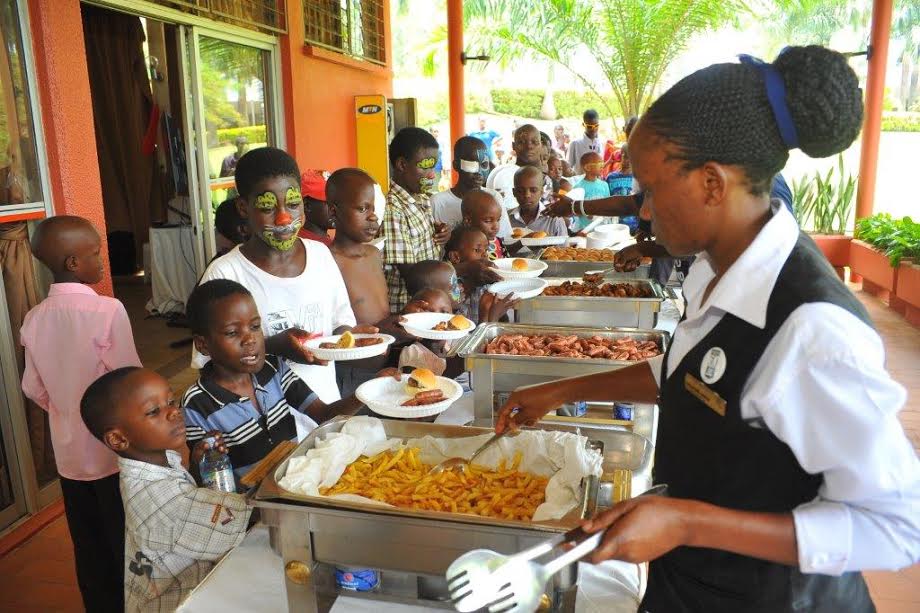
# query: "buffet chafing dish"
{"type": "Point", "coordinates": [412, 549]}
{"type": "Point", "coordinates": [595, 310]}
{"type": "Point", "coordinates": [571, 268]}
{"type": "Point", "coordinates": [494, 373]}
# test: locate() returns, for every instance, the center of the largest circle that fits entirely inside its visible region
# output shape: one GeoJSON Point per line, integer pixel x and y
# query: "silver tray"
{"type": "Point", "coordinates": [473, 346]}
{"type": "Point", "coordinates": [626, 450]}
{"type": "Point", "coordinates": [571, 268]}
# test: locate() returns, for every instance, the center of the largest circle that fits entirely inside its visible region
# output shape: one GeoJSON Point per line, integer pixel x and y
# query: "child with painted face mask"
{"type": "Point", "coordinates": [411, 232]}
{"type": "Point", "coordinates": [471, 161]}
{"type": "Point", "coordinates": [295, 282]}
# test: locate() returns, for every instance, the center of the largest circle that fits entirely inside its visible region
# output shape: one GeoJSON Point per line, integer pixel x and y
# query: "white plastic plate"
{"type": "Point", "coordinates": [547, 241]}
{"type": "Point", "coordinates": [385, 396]}
{"type": "Point", "coordinates": [535, 268]}
{"type": "Point", "coordinates": [421, 324]}
{"type": "Point", "coordinates": [522, 289]}
{"type": "Point", "coordinates": [575, 194]}
{"type": "Point", "coordinates": [355, 353]}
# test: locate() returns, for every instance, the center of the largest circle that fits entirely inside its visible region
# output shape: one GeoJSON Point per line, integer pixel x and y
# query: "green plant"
{"type": "Point", "coordinates": [896, 238]}
{"type": "Point", "coordinates": [527, 102]}
{"type": "Point", "coordinates": [632, 42]}
{"type": "Point", "coordinates": [255, 134]}
{"type": "Point", "coordinates": [823, 203]}
{"type": "Point", "coordinates": [901, 123]}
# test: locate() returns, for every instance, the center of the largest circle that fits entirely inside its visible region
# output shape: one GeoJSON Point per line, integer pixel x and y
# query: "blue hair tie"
{"type": "Point", "coordinates": [776, 95]}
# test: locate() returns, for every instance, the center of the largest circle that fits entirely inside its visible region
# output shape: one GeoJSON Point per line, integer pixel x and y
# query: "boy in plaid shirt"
{"type": "Point", "coordinates": [175, 531]}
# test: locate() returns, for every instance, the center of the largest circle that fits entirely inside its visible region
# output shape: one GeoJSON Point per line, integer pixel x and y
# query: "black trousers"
{"type": "Point", "coordinates": [96, 519]}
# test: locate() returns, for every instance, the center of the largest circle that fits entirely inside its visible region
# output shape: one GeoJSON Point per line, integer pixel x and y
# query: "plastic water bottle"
{"type": "Point", "coordinates": [215, 468]}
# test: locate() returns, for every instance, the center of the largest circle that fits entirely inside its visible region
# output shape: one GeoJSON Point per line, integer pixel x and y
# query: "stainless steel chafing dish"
{"type": "Point", "coordinates": [412, 549]}
{"type": "Point", "coordinates": [494, 373]}
{"type": "Point", "coordinates": [570, 268]}
{"type": "Point", "coordinates": [595, 310]}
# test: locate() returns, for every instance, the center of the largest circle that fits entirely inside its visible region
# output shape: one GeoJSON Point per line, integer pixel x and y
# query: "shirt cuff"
{"type": "Point", "coordinates": [824, 533]}
{"type": "Point", "coordinates": [655, 364]}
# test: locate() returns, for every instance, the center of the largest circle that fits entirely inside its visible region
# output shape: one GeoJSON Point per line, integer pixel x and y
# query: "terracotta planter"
{"type": "Point", "coordinates": [835, 247]}
{"type": "Point", "coordinates": [879, 277]}
{"type": "Point", "coordinates": [908, 292]}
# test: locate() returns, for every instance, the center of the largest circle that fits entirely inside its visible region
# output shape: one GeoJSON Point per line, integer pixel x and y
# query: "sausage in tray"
{"type": "Point", "coordinates": [571, 346]}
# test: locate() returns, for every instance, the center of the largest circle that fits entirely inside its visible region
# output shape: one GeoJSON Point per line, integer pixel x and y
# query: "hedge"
{"type": "Point", "coordinates": [901, 123]}
{"type": "Point", "coordinates": [255, 134]}
{"type": "Point", "coordinates": [527, 102]}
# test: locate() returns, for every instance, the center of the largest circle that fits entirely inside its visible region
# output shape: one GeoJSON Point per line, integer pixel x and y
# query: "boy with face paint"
{"type": "Point", "coordinates": [411, 232]}
{"type": "Point", "coordinates": [295, 282]}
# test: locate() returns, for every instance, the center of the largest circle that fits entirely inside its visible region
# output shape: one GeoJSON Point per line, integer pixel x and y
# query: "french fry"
{"type": "Point", "coordinates": [400, 478]}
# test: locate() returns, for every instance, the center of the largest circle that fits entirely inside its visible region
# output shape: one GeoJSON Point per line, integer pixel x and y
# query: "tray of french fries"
{"type": "Point", "coordinates": [545, 477]}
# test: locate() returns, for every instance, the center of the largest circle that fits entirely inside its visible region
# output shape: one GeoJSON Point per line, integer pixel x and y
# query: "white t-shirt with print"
{"type": "Point", "coordinates": [315, 301]}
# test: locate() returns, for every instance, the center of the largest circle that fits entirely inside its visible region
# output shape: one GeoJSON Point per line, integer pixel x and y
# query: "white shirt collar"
{"type": "Point", "coordinates": [744, 290]}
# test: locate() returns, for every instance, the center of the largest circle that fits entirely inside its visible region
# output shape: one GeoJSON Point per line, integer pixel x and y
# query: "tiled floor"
{"type": "Point", "coordinates": [39, 575]}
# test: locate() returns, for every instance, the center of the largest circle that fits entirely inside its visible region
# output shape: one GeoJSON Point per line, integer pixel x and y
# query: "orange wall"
{"type": "Point", "coordinates": [64, 94]}
{"type": "Point", "coordinates": [319, 89]}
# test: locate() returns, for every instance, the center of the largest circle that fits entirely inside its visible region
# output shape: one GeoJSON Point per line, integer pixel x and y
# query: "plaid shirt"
{"type": "Point", "coordinates": [175, 532]}
{"type": "Point", "coordinates": [408, 226]}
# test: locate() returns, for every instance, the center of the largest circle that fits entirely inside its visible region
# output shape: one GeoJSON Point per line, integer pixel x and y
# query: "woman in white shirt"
{"type": "Point", "coordinates": [788, 471]}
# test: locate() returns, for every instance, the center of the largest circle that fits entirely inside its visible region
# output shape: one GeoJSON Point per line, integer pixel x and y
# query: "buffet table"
{"type": "Point", "coordinates": [251, 577]}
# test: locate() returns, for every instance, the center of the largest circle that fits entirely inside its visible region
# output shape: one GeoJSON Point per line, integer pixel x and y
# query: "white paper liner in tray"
{"type": "Point", "coordinates": [562, 456]}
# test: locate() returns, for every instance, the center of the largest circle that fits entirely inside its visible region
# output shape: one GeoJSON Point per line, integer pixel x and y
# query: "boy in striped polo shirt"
{"type": "Point", "coordinates": [242, 393]}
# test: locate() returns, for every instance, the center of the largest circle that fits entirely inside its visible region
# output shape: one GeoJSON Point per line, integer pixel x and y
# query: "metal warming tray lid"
{"type": "Point", "coordinates": [631, 452]}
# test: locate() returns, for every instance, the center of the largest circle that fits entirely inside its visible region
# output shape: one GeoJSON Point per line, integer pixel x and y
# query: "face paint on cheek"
{"type": "Point", "coordinates": [281, 244]}
{"type": "Point", "coordinates": [483, 163]}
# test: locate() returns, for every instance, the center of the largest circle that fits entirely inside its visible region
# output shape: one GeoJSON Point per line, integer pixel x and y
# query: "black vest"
{"type": "Point", "coordinates": [728, 462]}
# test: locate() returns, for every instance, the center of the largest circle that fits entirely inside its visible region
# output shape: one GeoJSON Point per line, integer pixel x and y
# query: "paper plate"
{"type": "Point", "coordinates": [546, 241]}
{"type": "Point", "coordinates": [355, 353]}
{"type": "Point", "coordinates": [535, 268]}
{"type": "Point", "coordinates": [385, 396]}
{"type": "Point", "coordinates": [421, 324]}
{"type": "Point", "coordinates": [575, 194]}
{"type": "Point", "coordinates": [522, 289]}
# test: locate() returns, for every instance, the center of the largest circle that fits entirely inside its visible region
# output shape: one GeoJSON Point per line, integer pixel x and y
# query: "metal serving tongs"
{"type": "Point", "coordinates": [484, 578]}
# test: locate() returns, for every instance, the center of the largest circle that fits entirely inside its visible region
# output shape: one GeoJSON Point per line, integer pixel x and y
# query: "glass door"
{"type": "Point", "coordinates": [233, 107]}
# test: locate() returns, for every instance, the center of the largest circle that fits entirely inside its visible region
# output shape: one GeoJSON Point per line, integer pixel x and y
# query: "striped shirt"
{"type": "Point", "coordinates": [408, 226]}
{"type": "Point", "coordinates": [175, 532]}
{"type": "Point", "coordinates": [250, 431]}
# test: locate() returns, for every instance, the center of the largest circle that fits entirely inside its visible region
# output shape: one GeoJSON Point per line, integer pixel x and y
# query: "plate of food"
{"type": "Point", "coordinates": [437, 326]}
{"type": "Point", "coordinates": [522, 289]}
{"type": "Point", "coordinates": [541, 239]}
{"type": "Point", "coordinates": [348, 346]}
{"type": "Point", "coordinates": [418, 394]}
{"type": "Point", "coordinates": [519, 268]}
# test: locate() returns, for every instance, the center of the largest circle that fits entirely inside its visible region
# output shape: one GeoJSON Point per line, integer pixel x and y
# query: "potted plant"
{"type": "Point", "coordinates": [881, 242]}
{"type": "Point", "coordinates": [904, 247]}
{"type": "Point", "coordinates": [822, 205]}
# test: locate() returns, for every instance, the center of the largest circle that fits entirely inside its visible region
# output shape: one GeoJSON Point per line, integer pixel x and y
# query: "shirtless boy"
{"type": "Point", "coordinates": [350, 194]}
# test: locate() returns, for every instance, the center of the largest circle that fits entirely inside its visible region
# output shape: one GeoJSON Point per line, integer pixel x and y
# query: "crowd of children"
{"type": "Point", "coordinates": [280, 277]}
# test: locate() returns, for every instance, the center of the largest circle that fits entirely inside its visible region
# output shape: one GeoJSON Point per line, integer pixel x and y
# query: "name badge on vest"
{"type": "Point", "coordinates": [705, 394]}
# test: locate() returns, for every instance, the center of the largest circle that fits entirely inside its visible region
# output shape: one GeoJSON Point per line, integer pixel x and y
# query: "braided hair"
{"type": "Point", "coordinates": [722, 114]}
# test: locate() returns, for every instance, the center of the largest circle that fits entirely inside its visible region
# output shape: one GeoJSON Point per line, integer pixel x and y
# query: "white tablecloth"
{"type": "Point", "coordinates": [172, 268]}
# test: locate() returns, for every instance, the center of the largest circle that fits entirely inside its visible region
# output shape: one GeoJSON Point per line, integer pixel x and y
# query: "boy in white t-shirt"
{"type": "Point", "coordinates": [296, 283]}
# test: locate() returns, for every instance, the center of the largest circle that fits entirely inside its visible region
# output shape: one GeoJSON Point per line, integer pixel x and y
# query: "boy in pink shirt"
{"type": "Point", "coordinates": [70, 339]}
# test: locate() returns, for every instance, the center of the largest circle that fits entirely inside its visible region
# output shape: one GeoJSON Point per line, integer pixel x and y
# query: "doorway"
{"type": "Point", "coordinates": [175, 106]}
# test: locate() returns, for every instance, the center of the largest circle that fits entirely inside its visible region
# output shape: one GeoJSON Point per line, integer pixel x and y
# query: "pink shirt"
{"type": "Point", "coordinates": [71, 338]}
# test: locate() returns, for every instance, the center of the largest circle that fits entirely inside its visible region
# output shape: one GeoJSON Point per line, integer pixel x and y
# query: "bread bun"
{"type": "Point", "coordinates": [540, 234]}
{"type": "Point", "coordinates": [421, 380]}
{"type": "Point", "coordinates": [459, 322]}
{"type": "Point", "coordinates": [519, 265]}
{"type": "Point", "coordinates": [518, 232]}
{"type": "Point", "coordinates": [346, 341]}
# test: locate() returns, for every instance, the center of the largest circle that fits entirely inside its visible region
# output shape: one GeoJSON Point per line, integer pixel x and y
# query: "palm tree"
{"type": "Point", "coordinates": [632, 42]}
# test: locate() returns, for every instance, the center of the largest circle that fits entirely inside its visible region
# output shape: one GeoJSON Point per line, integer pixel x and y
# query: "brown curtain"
{"type": "Point", "coordinates": [21, 296]}
{"type": "Point", "coordinates": [122, 103]}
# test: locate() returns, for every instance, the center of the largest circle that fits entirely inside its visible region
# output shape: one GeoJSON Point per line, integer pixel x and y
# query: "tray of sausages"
{"type": "Point", "coordinates": [528, 342]}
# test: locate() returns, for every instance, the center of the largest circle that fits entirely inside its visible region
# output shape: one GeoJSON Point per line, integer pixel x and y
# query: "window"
{"type": "Point", "coordinates": [260, 15]}
{"type": "Point", "coordinates": [22, 192]}
{"type": "Point", "coordinates": [352, 27]}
